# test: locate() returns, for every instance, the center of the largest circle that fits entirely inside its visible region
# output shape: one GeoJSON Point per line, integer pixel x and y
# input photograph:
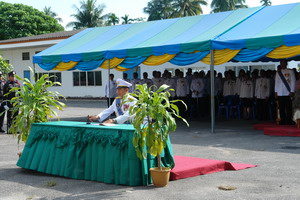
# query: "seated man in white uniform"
{"type": "Point", "coordinates": [120, 106]}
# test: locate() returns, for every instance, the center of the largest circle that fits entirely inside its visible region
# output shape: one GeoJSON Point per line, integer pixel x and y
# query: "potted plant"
{"type": "Point", "coordinates": [154, 118]}
{"type": "Point", "coordinates": [34, 103]}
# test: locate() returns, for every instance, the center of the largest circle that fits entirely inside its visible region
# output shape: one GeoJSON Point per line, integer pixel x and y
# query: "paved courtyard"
{"type": "Point", "coordinates": [276, 177]}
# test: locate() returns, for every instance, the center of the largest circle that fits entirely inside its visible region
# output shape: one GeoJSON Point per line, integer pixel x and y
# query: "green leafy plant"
{"type": "Point", "coordinates": [154, 118]}
{"type": "Point", "coordinates": [5, 67]}
{"type": "Point", "coordinates": [33, 103]}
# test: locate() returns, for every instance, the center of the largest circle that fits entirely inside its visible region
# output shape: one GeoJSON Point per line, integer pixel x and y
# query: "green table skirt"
{"type": "Point", "coordinates": [79, 151]}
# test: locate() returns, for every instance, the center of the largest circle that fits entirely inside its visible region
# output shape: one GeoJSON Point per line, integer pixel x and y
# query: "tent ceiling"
{"type": "Point", "coordinates": [242, 35]}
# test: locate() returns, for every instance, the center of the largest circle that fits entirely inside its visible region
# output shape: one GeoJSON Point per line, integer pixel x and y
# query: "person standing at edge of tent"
{"type": "Point", "coordinates": [197, 89]}
{"type": "Point", "coordinates": [246, 95]}
{"type": "Point", "coordinates": [2, 110]}
{"type": "Point", "coordinates": [120, 106]}
{"type": "Point", "coordinates": [284, 89]}
{"type": "Point", "coordinates": [182, 90]}
{"type": "Point", "coordinates": [262, 94]}
{"type": "Point", "coordinates": [135, 81]}
{"type": "Point", "coordinates": [11, 83]}
{"type": "Point", "coordinates": [110, 93]}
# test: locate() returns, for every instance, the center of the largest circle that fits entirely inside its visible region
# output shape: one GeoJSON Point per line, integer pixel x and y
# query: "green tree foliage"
{"type": "Point", "coordinates": [165, 9]}
{"type": "Point", "coordinates": [127, 20]}
{"type": "Point", "coordinates": [266, 2]}
{"type": "Point", "coordinates": [185, 8]}
{"type": "Point", "coordinates": [49, 12]}
{"type": "Point", "coordinates": [112, 19]}
{"type": "Point", "coordinates": [34, 103]}
{"type": "Point", "coordinates": [5, 67]}
{"type": "Point", "coordinates": [159, 9]}
{"type": "Point", "coordinates": [18, 20]}
{"type": "Point", "coordinates": [89, 14]}
{"type": "Point", "coordinates": [159, 112]}
{"type": "Point", "coordinates": [221, 5]}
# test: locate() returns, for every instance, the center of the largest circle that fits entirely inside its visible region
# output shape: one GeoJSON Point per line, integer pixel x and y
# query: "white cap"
{"type": "Point", "coordinates": [123, 84]}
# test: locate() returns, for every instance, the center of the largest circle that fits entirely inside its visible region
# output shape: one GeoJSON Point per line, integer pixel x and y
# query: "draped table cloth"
{"type": "Point", "coordinates": [90, 152]}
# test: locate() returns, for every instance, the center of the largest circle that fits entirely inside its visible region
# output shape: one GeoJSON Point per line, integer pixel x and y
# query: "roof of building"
{"type": "Point", "coordinates": [47, 36]}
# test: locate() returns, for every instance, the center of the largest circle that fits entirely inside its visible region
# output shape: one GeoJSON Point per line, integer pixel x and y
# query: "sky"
{"type": "Point", "coordinates": [134, 8]}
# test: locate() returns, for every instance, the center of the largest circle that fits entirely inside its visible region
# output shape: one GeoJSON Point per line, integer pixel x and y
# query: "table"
{"type": "Point", "coordinates": [90, 152]}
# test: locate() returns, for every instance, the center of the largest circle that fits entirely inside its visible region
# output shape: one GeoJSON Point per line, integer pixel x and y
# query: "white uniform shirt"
{"type": "Point", "coordinates": [171, 82]}
{"type": "Point", "coordinates": [262, 88]}
{"type": "Point", "coordinates": [112, 93]}
{"type": "Point", "coordinates": [279, 85]}
{"type": "Point", "coordinates": [135, 82]}
{"type": "Point", "coordinates": [229, 88]}
{"type": "Point", "coordinates": [246, 89]}
{"type": "Point", "coordinates": [157, 82]}
{"type": "Point", "coordinates": [238, 85]}
{"type": "Point", "coordinates": [147, 81]}
{"type": "Point", "coordinates": [126, 103]}
{"type": "Point", "coordinates": [182, 87]}
{"type": "Point", "coordinates": [197, 88]}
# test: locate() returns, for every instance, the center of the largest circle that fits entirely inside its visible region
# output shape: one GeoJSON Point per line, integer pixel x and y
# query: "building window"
{"type": "Point", "coordinates": [87, 78]}
{"type": "Point", "coordinates": [25, 56]}
{"type": "Point", "coordinates": [54, 76]}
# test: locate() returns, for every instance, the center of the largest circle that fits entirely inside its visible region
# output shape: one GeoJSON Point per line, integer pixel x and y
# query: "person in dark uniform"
{"type": "Point", "coordinates": [2, 110]}
{"type": "Point", "coordinates": [11, 83]}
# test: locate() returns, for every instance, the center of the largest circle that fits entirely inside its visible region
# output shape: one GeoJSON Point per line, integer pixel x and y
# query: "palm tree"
{"type": "Point", "coordinates": [112, 19]}
{"type": "Point", "coordinates": [221, 5]}
{"type": "Point", "coordinates": [88, 15]}
{"type": "Point", "coordinates": [49, 12]}
{"type": "Point", "coordinates": [159, 9]}
{"type": "Point", "coordinates": [126, 19]}
{"type": "Point", "coordinates": [188, 7]}
{"type": "Point", "coordinates": [266, 2]}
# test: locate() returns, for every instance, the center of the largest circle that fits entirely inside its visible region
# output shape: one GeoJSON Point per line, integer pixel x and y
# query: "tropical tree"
{"type": "Point", "coordinates": [89, 14]}
{"type": "Point", "coordinates": [49, 12]}
{"type": "Point", "coordinates": [112, 19]}
{"type": "Point", "coordinates": [188, 7]}
{"type": "Point", "coordinates": [159, 9]}
{"type": "Point", "coordinates": [18, 20]}
{"type": "Point", "coordinates": [126, 19]}
{"type": "Point", "coordinates": [221, 5]}
{"type": "Point", "coordinates": [266, 2]}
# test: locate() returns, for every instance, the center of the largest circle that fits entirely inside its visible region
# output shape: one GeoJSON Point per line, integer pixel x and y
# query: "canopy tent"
{"type": "Point", "coordinates": [244, 35]}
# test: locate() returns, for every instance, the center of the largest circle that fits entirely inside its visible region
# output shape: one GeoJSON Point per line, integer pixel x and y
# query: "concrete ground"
{"type": "Point", "coordinates": [276, 177]}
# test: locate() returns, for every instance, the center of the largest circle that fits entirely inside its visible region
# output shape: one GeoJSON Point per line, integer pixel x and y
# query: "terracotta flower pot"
{"type": "Point", "coordinates": [160, 178]}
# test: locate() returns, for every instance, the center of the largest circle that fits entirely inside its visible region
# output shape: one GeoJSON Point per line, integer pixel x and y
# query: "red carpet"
{"type": "Point", "coordinates": [278, 130]}
{"type": "Point", "coordinates": [189, 166]}
{"type": "Point", "coordinates": [264, 125]}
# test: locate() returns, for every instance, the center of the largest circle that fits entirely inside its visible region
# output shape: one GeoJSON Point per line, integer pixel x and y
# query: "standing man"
{"type": "Point", "coordinates": [197, 89]}
{"type": "Point", "coordinates": [285, 82]}
{"type": "Point", "coordinates": [182, 90]}
{"type": "Point", "coordinates": [262, 94]}
{"type": "Point", "coordinates": [2, 110]}
{"type": "Point", "coordinates": [11, 83]}
{"type": "Point", "coordinates": [120, 106]}
{"type": "Point", "coordinates": [135, 81]}
{"type": "Point", "coordinates": [110, 90]}
{"type": "Point", "coordinates": [157, 80]}
{"type": "Point", "coordinates": [146, 80]}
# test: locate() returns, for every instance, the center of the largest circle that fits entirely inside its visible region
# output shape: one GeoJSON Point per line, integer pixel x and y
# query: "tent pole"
{"type": "Point", "coordinates": [108, 83]}
{"type": "Point", "coordinates": [212, 91]}
{"type": "Point", "coordinates": [34, 71]}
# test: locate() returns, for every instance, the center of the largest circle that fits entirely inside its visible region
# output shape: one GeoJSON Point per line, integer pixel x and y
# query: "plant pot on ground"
{"type": "Point", "coordinates": [154, 118]}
